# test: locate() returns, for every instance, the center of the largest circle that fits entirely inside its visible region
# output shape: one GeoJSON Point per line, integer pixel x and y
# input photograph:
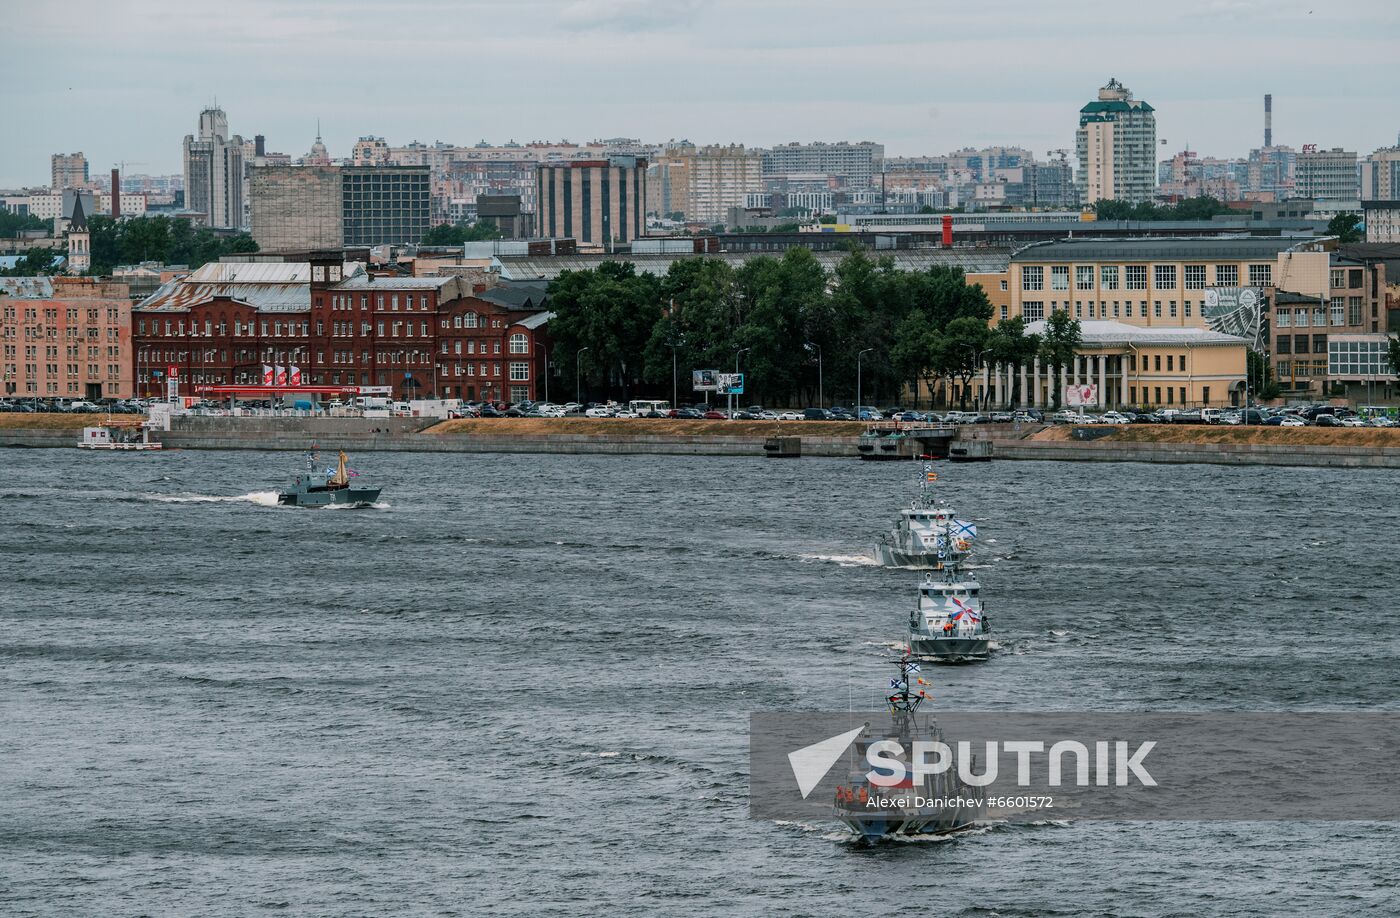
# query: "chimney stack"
{"type": "Point", "coordinates": [116, 193]}
{"type": "Point", "coordinates": [1268, 120]}
{"type": "Point", "coordinates": [259, 146]}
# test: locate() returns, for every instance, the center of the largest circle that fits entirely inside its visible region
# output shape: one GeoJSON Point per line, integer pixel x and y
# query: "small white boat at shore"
{"type": "Point", "coordinates": [118, 438]}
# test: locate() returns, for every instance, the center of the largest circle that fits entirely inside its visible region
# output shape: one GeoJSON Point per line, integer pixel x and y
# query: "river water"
{"type": "Point", "coordinates": [521, 684]}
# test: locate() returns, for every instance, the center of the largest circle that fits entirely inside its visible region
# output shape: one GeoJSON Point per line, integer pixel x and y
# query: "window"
{"type": "Point", "coordinates": [1338, 311]}
{"type": "Point", "coordinates": [1157, 309]}
{"type": "Point", "coordinates": [1261, 275]}
{"type": "Point", "coordinates": [1115, 309]}
{"type": "Point", "coordinates": [1164, 277]}
{"type": "Point", "coordinates": [1003, 283]}
{"type": "Point", "coordinates": [1337, 278]}
{"type": "Point", "coordinates": [1354, 310]}
{"type": "Point", "coordinates": [1084, 277]}
{"type": "Point", "coordinates": [1319, 344]}
{"type": "Point", "coordinates": [1059, 277]}
{"type": "Point", "coordinates": [1285, 344]}
{"type": "Point", "coordinates": [1171, 308]}
{"type": "Point", "coordinates": [1285, 318]}
{"type": "Point", "coordinates": [1186, 308]}
{"type": "Point", "coordinates": [1157, 391]}
{"type": "Point", "coordinates": [519, 344]}
{"type": "Point", "coordinates": [469, 320]}
{"type": "Point", "coordinates": [394, 302]}
{"type": "Point", "coordinates": [1157, 362]}
{"type": "Point", "coordinates": [1319, 316]}
{"type": "Point", "coordinates": [1302, 317]}
{"type": "Point", "coordinates": [1227, 275]}
{"type": "Point", "coordinates": [1354, 280]}
{"type": "Point", "coordinates": [1033, 311]}
{"type": "Point", "coordinates": [1079, 309]}
{"type": "Point", "coordinates": [496, 346]}
{"type": "Point", "coordinates": [1195, 277]}
{"type": "Point", "coordinates": [1004, 310]}
{"type": "Point", "coordinates": [1108, 277]}
{"type": "Point", "coordinates": [1135, 277]}
{"type": "Point", "coordinates": [1169, 363]}
{"type": "Point", "coordinates": [1300, 344]}
{"type": "Point", "coordinates": [1169, 395]}
{"type": "Point", "coordinates": [519, 372]}
{"type": "Point", "coordinates": [1032, 277]}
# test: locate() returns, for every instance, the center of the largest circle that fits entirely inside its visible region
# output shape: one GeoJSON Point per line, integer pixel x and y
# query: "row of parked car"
{"type": "Point", "coordinates": [1315, 415]}
{"type": "Point", "coordinates": [72, 406]}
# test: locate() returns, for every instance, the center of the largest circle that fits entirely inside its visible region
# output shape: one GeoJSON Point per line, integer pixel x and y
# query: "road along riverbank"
{"type": "Point", "coordinates": [1325, 447]}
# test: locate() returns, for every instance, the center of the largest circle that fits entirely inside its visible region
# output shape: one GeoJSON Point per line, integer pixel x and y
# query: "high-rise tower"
{"type": "Point", "coordinates": [1117, 146]}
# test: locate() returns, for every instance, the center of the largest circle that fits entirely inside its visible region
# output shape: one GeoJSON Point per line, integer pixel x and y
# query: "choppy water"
{"type": "Point", "coordinates": [214, 706]}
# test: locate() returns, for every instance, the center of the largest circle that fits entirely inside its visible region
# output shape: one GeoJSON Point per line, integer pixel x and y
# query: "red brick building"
{"type": "Point", "coordinates": [65, 337]}
{"type": "Point", "coordinates": [425, 337]}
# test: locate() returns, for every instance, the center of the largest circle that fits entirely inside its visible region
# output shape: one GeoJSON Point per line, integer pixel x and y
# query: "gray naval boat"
{"type": "Point", "coordinates": [894, 806]}
{"type": "Point", "coordinates": [329, 489]}
{"type": "Point", "coordinates": [926, 536]}
{"type": "Point", "coordinates": [950, 624]}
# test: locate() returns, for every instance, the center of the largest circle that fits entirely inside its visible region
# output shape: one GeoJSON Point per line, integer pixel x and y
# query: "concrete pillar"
{"type": "Point", "coordinates": [1123, 390]}
{"type": "Point", "coordinates": [1103, 381]}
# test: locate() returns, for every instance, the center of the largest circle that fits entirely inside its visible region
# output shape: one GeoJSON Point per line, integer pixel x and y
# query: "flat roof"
{"type": "Point", "coordinates": [1102, 332]}
{"type": "Point", "coordinates": [1160, 249]}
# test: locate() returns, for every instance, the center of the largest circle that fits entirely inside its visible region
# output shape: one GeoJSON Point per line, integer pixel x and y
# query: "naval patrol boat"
{"type": "Point", "coordinates": [329, 489]}
{"type": "Point", "coordinates": [904, 805]}
{"type": "Point", "coordinates": [926, 536]}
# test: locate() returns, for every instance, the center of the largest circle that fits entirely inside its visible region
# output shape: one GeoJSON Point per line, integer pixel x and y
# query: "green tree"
{"type": "Point", "coordinates": [13, 224]}
{"type": "Point", "coordinates": [927, 209]}
{"type": "Point", "coordinates": [1393, 348]}
{"type": "Point", "coordinates": [36, 262]}
{"type": "Point", "coordinates": [1261, 375]}
{"type": "Point", "coordinates": [1344, 227]}
{"type": "Point", "coordinates": [1063, 336]}
{"type": "Point", "coordinates": [961, 351]}
{"type": "Point", "coordinates": [171, 240]}
{"type": "Point", "coordinates": [460, 233]}
{"type": "Point", "coordinates": [611, 310]}
{"type": "Point", "coordinates": [1011, 346]}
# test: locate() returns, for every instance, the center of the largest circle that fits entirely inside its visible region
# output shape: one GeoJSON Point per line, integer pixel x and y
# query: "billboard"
{"type": "Point", "coordinates": [1237, 311]}
{"type": "Point", "coordinates": [729, 383]}
{"type": "Point", "coordinates": [704, 381]}
{"type": "Point", "coordinates": [1082, 396]}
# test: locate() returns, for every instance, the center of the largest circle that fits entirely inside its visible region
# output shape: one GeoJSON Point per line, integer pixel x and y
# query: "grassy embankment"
{"type": "Point", "coordinates": [645, 427]}
{"type": "Point", "coordinates": [1191, 434]}
{"type": "Point", "coordinates": [16, 421]}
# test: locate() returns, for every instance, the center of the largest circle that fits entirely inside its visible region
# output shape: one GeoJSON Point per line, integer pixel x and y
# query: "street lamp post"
{"type": "Point", "coordinates": [821, 391]}
{"type": "Point", "coordinates": [733, 402]}
{"type": "Point", "coordinates": [859, 355]}
{"type": "Point", "coordinates": [675, 388]}
{"type": "Point", "coordinates": [578, 381]}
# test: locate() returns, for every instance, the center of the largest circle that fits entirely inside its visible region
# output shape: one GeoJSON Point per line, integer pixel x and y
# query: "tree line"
{"type": "Point", "coordinates": [794, 329]}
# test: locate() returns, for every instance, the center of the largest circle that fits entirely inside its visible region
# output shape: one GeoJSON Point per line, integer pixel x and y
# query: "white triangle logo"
{"type": "Point", "coordinates": [811, 763]}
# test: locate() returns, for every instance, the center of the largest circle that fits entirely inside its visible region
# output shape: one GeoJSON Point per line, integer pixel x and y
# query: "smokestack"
{"type": "Point", "coordinates": [116, 193]}
{"type": "Point", "coordinates": [1268, 120]}
{"type": "Point", "coordinates": [259, 146]}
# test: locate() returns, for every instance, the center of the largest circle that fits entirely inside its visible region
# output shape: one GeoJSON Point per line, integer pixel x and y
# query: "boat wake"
{"type": "Point", "coordinates": [261, 498]}
{"type": "Point", "coordinates": [843, 560]}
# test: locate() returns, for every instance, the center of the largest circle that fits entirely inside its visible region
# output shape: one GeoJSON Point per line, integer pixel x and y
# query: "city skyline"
{"type": "Point", "coordinates": [681, 71]}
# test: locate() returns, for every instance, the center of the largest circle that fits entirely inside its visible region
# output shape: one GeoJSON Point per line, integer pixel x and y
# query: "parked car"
{"type": "Point", "coordinates": [600, 412]}
{"type": "Point", "coordinates": [1353, 422]}
{"type": "Point", "coordinates": [869, 413]}
{"type": "Point", "coordinates": [816, 414]}
{"type": "Point", "coordinates": [713, 415]}
{"type": "Point", "coordinates": [789, 416]}
{"type": "Point", "coordinates": [1327, 420]}
{"type": "Point", "coordinates": [1292, 420]}
{"type": "Point", "coordinates": [1002, 417]}
{"type": "Point", "coordinates": [688, 414]}
{"type": "Point", "coordinates": [1113, 417]}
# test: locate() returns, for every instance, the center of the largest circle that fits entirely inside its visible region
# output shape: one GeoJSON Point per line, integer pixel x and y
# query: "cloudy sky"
{"type": "Point", "coordinates": [125, 79]}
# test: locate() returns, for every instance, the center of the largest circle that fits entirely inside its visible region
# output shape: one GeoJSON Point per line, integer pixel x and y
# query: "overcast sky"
{"type": "Point", "coordinates": [126, 80]}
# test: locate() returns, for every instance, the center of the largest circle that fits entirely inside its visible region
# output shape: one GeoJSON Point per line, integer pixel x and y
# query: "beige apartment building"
{"type": "Point", "coordinates": [597, 202]}
{"type": "Point", "coordinates": [65, 337]}
{"type": "Point", "coordinates": [704, 182]}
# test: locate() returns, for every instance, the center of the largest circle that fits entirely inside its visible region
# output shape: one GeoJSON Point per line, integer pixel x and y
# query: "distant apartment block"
{"type": "Point", "coordinates": [300, 208]}
{"type": "Point", "coordinates": [214, 171]}
{"type": "Point", "coordinates": [1382, 221]}
{"type": "Point", "coordinates": [68, 170]}
{"type": "Point", "coordinates": [703, 183]}
{"type": "Point", "coordinates": [845, 165]}
{"type": "Point", "coordinates": [1117, 147]}
{"type": "Point", "coordinates": [1380, 175]}
{"type": "Point", "coordinates": [597, 202]}
{"type": "Point", "coordinates": [1327, 175]}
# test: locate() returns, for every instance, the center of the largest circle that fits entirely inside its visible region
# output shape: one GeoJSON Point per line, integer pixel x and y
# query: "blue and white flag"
{"type": "Point", "coordinates": [915, 668]}
{"type": "Point", "coordinates": [964, 529]}
{"type": "Point", "coordinates": [895, 683]}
